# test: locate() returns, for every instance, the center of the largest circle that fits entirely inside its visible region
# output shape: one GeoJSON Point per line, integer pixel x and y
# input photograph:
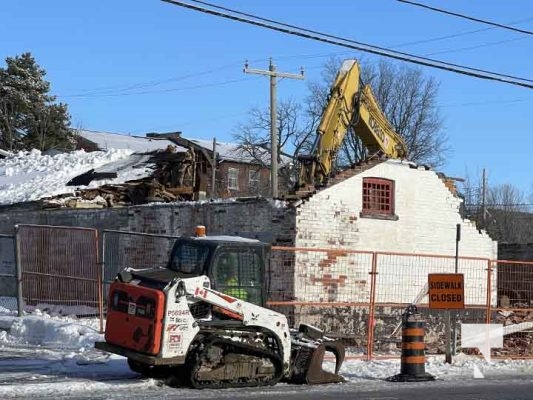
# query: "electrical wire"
{"type": "Point", "coordinates": [142, 85]}
{"type": "Point", "coordinates": [335, 40]}
{"type": "Point", "coordinates": [476, 46]}
{"type": "Point", "coordinates": [455, 35]}
{"type": "Point", "coordinates": [120, 89]}
{"type": "Point", "coordinates": [368, 46]}
{"type": "Point", "coordinates": [160, 90]}
{"type": "Point", "coordinates": [483, 103]}
{"type": "Point", "coordinates": [481, 21]}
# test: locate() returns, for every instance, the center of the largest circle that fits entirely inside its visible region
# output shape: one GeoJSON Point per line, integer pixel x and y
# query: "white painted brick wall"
{"type": "Point", "coordinates": [427, 217]}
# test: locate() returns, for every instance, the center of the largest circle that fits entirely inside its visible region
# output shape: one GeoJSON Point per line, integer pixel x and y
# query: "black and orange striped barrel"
{"type": "Point", "coordinates": [413, 361]}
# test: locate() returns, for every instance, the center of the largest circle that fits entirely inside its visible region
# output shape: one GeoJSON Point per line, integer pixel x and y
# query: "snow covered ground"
{"type": "Point", "coordinates": [44, 356]}
{"type": "Point", "coordinates": [29, 176]}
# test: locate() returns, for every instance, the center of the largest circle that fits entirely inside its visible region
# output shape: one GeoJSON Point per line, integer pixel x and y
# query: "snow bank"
{"type": "Point", "coordinates": [51, 332]}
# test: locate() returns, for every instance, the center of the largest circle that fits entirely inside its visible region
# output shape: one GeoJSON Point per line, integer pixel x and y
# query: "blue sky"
{"type": "Point", "coordinates": [136, 66]}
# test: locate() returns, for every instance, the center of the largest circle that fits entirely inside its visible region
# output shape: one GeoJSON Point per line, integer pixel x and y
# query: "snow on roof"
{"type": "Point", "coordinates": [226, 151]}
{"type": "Point", "coordinates": [139, 144]}
{"type": "Point", "coordinates": [236, 152]}
{"type": "Point", "coordinates": [30, 176]}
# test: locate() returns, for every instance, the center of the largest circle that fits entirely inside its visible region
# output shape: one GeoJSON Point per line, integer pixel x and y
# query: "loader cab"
{"type": "Point", "coordinates": [235, 265]}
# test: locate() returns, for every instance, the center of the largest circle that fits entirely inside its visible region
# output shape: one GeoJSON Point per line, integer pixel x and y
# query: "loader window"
{"type": "Point", "coordinates": [189, 258]}
{"type": "Point", "coordinates": [239, 274]}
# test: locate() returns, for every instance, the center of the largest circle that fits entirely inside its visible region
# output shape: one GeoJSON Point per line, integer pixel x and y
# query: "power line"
{"type": "Point", "coordinates": [482, 21]}
{"type": "Point", "coordinates": [158, 91]}
{"type": "Point", "coordinates": [140, 85]}
{"type": "Point", "coordinates": [335, 40]}
{"type": "Point", "coordinates": [483, 103]}
{"type": "Point", "coordinates": [439, 38]}
{"type": "Point", "coordinates": [156, 82]}
{"type": "Point", "coordinates": [368, 48]}
{"type": "Point", "coordinates": [475, 46]}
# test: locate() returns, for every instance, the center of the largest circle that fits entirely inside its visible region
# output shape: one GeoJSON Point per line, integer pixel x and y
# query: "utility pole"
{"type": "Point", "coordinates": [214, 170]}
{"type": "Point", "coordinates": [273, 123]}
{"type": "Point", "coordinates": [483, 206]}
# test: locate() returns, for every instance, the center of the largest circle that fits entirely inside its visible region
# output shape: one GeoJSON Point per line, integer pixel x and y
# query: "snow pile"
{"type": "Point", "coordinates": [29, 176]}
{"type": "Point", "coordinates": [51, 332]}
{"type": "Point", "coordinates": [462, 367]}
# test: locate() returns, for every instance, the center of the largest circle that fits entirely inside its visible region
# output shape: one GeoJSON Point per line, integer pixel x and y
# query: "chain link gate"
{"type": "Point", "coordinates": [58, 270]}
{"type": "Point", "coordinates": [8, 273]}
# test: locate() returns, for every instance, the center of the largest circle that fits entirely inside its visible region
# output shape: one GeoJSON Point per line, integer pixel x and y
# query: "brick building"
{"type": "Point", "coordinates": [240, 171]}
{"type": "Point", "coordinates": [387, 206]}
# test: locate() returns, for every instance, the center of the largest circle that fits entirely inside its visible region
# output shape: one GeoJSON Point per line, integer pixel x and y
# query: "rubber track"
{"type": "Point", "coordinates": [195, 360]}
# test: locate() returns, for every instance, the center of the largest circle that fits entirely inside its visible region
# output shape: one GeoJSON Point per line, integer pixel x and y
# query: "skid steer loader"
{"type": "Point", "coordinates": [202, 321]}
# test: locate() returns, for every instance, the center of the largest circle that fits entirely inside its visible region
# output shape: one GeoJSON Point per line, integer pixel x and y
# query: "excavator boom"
{"type": "Point", "coordinates": [351, 105]}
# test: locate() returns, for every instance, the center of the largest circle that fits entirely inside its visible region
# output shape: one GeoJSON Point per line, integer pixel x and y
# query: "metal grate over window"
{"type": "Point", "coordinates": [378, 196]}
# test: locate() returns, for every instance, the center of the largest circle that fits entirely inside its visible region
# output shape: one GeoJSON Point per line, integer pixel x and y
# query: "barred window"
{"type": "Point", "coordinates": [378, 196]}
{"type": "Point", "coordinates": [233, 178]}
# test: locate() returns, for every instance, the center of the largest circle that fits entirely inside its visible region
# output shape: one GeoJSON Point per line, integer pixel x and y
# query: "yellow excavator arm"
{"type": "Point", "coordinates": [350, 105]}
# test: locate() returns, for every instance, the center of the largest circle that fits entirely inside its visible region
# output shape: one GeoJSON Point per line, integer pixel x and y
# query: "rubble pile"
{"type": "Point", "coordinates": [519, 343]}
{"type": "Point", "coordinates": [173, 179]}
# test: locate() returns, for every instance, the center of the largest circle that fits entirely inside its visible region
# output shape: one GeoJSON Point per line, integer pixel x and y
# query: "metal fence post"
{"type": "Point", "coordinates": [371, 311]}
{"type": "Point", "coordinates": [99, 283]}
{"type": "Point", "coordinates": [20, 300]}
{"type": "Point", "coordinates": [489, 290]}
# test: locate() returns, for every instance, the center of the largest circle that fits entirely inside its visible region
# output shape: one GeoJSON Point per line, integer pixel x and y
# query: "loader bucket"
{"type": "Point", "coordinates": [310, 363]}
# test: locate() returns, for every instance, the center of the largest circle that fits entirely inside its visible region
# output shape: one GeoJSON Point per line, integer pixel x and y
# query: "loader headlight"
{"type": "Point", "coordinates": [180, 290]}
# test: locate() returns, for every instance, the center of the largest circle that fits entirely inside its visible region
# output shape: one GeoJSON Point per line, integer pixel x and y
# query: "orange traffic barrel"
{"type": "Point", "coordinates": [413, 360]}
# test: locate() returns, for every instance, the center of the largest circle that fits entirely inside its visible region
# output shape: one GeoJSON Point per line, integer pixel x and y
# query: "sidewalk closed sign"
{"type": "Point", "coordinates": [446, 291]}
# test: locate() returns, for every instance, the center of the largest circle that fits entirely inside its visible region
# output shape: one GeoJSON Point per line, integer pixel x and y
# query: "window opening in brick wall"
{"type": "Point", "coordinates": [233, 178]}
{"type": "Point", "coordinates": [378, 197]}
{"type": "Point", "coordinates": [253, 179]}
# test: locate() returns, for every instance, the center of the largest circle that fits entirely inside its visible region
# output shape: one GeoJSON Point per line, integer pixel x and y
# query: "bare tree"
{"type": "Point", "coordinates": [254, 138]}
{"type": "Point", "coordinates": [254, 135]}
{"type": "Point", "coordinates": [409, 101]}
{"type": "Point", "coordinates": [503, 212]}
{"type": "Point", "coordinates": [509, 220]}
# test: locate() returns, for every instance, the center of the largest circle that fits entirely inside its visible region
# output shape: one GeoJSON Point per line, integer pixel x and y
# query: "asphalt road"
{"type": "Point", "coordinates": [43, 374]}
{"type": "Point", "coordinates": [505, 388]}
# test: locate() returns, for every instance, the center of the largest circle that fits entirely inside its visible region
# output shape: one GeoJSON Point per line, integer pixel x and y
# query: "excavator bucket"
{"type": "Point", "coordinates": [308, 364]}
